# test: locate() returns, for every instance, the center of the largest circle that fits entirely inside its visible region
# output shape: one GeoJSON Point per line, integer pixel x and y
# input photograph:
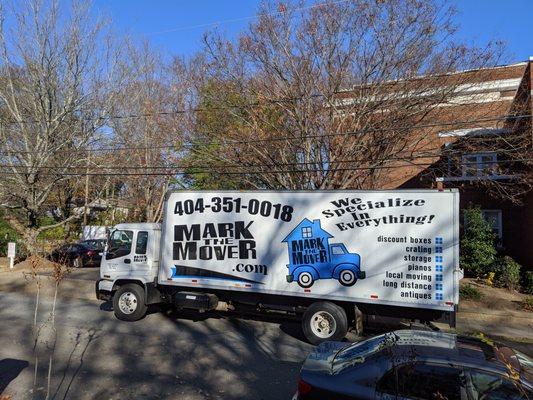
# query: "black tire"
{"type": "Point", "coordinates": [344, 280]}
{"type": "Point", "coordinates": [305, 279]}
{"type": "Point", "coordinates": [77, 262]}
{"type": "Point", "coordinates": [333, 313]}
{"type": "Point", "coordinates": [130, 295]}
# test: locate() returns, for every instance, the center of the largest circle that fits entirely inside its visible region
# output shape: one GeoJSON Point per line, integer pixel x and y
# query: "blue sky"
{"type": "Point", "coordinates": [171, 25]}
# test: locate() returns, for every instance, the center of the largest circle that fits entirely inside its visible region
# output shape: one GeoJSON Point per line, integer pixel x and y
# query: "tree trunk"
{"type": "Point", "coordinates": [30, 240]}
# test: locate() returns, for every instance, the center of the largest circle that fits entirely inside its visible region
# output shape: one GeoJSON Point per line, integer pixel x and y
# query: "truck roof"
{"type": "Point", "coordinates": [139, 226]}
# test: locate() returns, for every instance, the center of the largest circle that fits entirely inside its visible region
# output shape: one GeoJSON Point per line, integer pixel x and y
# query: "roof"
{"type": "Point", "coordinates": [304, 223]}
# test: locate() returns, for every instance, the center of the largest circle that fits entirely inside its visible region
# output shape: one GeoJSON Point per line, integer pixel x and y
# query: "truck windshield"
{"type": "Point", "coordinates": [119, 244]}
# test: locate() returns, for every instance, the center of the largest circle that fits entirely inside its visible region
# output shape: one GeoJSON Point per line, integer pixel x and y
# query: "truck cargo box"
{"type": "Point", "coordinates": [397, 247]}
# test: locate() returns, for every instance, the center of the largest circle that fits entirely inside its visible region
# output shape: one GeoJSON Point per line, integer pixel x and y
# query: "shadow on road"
{"type": "Point", "coordinates": [289, 325]}
{"type": "Point", "coordinates": [9, 369]}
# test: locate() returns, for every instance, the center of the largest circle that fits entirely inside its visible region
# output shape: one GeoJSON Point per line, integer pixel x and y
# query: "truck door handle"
{"type": "Point", "coordinates": [127, 261]}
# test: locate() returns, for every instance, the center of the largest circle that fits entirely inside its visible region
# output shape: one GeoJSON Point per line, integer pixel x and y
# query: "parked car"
{"type": "Point", "coordinates": [97, 244]}
{"type": "Point", "coordinates": [77, 255]}
{"type": "Point", "coordinates": [411, 364]}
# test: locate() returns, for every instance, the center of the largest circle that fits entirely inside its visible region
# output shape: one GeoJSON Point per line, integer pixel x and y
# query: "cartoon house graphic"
{"type": "Point", "coordinates": [311, 257]}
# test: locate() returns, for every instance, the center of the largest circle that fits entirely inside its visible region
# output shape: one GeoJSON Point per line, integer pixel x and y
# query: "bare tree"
{"type": "Point", "coordinates": [331, 96]}
{"type": "Point", "coordinates": [150, 133]}
{"type": "Point", "coordinates": [54, 71]}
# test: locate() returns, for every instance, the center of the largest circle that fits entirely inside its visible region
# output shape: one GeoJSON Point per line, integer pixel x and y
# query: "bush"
{"type": "Point", "coordinates": [528, 282]}
{"type": "Point", "coordinates": [7, 234]}
{"type": "Point", "coordinates": [506, 273]}
{"type": "Point", "coordinates": [57, 233]}
{"type": "Point", "coordinates": [469, 292]}
{"type": "Point", "coordinates": [478, 253]}
{"type": "Point", "coordinates": [527, 304]}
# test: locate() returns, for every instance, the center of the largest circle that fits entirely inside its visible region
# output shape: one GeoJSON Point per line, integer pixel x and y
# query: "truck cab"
{"type": "Point", "coordinates": [131, 257]}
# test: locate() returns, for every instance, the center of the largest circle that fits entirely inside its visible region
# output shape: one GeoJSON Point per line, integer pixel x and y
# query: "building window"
{"type": "Point", "coordinates": [494, 218]}
{"type": "Point", "coordinates": [476, 165]}
{"type": "Point", "coordinates": [307, 232]}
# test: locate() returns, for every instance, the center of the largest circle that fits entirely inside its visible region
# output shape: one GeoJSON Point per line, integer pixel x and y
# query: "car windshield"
{"type": "Point", "coordinates": [359, 352]}
{"type": "Point", "coordinates": [526, 364]}
{"type": "Point", "coordinates": [94, 244]}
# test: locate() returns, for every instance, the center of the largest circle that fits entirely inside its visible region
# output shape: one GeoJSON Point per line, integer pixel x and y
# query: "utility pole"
{"type": "Point", "coordinates": [85, 208]}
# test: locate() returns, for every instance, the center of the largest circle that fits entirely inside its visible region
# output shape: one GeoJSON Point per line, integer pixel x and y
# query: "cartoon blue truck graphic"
{"type": "Point", "coordinates": [311, 257]}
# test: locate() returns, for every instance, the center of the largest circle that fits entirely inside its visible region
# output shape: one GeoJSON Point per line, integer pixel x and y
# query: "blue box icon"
{"type": "Point", "coordinates": [438, 286]}
{"type": "Point", "coordinates": [438, 240]}
{"type": "Point", "coordinates": [438, 259]}
{"type": "Point", "coordinates": [438, 268]}
{"type": "Point", "coordinates": [438, 296]}
{"type": "Point", "coordinates": [438, 249]}
{"type": "Point", "coordinates": [438, 278]}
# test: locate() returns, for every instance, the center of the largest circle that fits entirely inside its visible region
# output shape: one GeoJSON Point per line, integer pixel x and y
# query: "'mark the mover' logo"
{"type": "Point", "coordinates": [311, 257]}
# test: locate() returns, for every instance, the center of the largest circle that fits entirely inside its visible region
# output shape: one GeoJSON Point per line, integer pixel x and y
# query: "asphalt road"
{"type": "Point", "coordinates": [186, 356]}
{"type": "Point", "coordinates": [86, 274]}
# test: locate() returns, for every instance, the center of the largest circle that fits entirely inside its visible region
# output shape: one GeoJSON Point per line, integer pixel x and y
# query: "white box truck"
{"type": "Point", "coordinates": [325, 256]}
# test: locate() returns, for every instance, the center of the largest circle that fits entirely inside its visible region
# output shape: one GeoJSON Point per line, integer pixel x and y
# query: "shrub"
{"type": "Point", "coordinates": [528, 282]}
{"type": "Point", "coordinates": [507, 273]}
{"type": "Point", "coordinates": [7, 234]}
{"type": "Point", "coordinates": [527, 304]}
{"type": "Point", "coordinates": [490, 278]}
{"type": "Point", "coordinates": [469, 292]}
{"type": "Point", "coordinates": [57, 233]}
{"type": "Point", "coordinates": [477, 246]}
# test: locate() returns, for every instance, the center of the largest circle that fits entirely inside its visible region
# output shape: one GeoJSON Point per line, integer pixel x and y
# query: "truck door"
{"type": "Point", "coordinates": [118, 255]}
{"type": "Point", "coordinates": [140, 264]}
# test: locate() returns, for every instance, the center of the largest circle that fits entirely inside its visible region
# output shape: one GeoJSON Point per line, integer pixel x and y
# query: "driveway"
{"type": "Point", "coordinates": [185, 356]}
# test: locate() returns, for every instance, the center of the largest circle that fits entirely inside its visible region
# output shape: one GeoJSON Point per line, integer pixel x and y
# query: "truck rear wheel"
{"type": "Point", "coordinates": [324, 321]}
{"type": "Point", "coordinates": [129, 303]}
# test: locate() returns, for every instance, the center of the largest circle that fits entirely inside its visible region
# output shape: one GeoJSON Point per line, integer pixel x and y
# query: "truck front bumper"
{"type": "Point", "coordinates": [104, 289]}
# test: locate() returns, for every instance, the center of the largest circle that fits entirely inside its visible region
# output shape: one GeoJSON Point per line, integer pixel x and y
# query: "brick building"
{"type": "Point", "coordinates": [486, 104]}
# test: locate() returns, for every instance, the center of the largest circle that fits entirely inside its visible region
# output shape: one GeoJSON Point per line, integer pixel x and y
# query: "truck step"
{"type": "Point", "coordinates": [196, 301]}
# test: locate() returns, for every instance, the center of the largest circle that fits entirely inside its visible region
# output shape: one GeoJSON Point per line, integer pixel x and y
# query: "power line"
{"type": "Point", "coordinates": [222, 166]}
{"type": "Point", "coordinates": [256, 172]}
{"type": "Point", "coordinates": [283, 138]}
{"type": "Point", "coordinates": [251, 17]}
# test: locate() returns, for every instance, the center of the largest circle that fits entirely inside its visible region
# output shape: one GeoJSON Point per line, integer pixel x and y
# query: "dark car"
{"type": "Point", "coordinates": [411, 364]}
{"type": "Point", "coordinates": [77, 255]}
{"type": "Point", "coordinates": [97, 244]}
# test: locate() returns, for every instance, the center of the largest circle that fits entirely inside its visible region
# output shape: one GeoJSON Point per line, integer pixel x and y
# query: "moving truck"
{"type": "Point", "coordinates": [328, 257]}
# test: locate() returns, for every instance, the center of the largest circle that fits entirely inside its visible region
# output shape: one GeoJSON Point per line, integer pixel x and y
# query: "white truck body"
{"type": "Point", "coordinates": [94, 232]}
{"type": "Point", "coordinates": [407, 240]}
{"type": "Point", "coordinates": [395, 248]}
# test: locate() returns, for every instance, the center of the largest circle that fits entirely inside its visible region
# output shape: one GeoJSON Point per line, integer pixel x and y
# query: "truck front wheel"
{"type": "Point", "coordinates": [129, 303]}
{"type": "Point", "coordinates": [324, 321]}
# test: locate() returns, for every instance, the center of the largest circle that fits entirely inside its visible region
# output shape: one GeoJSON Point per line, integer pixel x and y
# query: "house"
{"type": "Point", "coordinates": [471, 144]}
